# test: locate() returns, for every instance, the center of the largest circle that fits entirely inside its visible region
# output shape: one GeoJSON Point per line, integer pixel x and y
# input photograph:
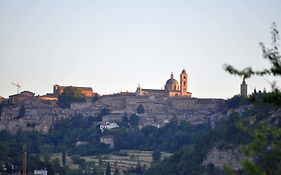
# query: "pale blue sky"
{"type": "Point", "coordinates": [114, 45]}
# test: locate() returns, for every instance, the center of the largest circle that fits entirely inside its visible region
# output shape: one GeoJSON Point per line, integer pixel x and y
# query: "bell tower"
{"type": "Point", "coordinates": [183, 83]}
{"type": "Point", "coordinates": [243, 88]}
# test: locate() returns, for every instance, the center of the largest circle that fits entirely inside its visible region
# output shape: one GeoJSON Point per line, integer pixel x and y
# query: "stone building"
{"type": "Point", "coordinates": [243, 88]}
{"type": "Point", "coordinates": [20, 98]}
{"type": "Point", "coordinates": [172, 88]}
{"type": "Point", "coordinates": [87, 91]}
{"type": "Point", "coordinates": [108, 140]}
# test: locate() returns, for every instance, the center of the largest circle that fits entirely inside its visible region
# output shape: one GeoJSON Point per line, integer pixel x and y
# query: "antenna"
{"type": "Point", "coordinates": [18, 86]}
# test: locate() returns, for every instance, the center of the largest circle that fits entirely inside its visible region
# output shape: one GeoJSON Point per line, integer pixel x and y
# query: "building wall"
{"type": "Point", "coordinates": [87, 91]}
{"type": "Point", "coordinates": [108, 141]}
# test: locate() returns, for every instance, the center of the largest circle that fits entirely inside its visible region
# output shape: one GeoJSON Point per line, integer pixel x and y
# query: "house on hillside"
{"type": "Point", "coordinates": [108, 140]}
{"type": "Point", "coordinates": [19, 99]}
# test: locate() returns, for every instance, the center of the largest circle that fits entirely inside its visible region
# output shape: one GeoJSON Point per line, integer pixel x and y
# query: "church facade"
{"type": "Point", "coordinates": [172, 88]}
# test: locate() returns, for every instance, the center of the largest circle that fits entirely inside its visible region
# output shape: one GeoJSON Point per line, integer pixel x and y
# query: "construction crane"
{"type": "Point", "coordinates": [18, 86]}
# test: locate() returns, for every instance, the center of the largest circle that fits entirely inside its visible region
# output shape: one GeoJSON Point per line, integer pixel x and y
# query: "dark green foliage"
{"type": "Point", "coordinates": [140, 109]}
{"type": "Point", "coordinates": [67, 132]}
{"type": "Point", "coordinates": [63, 157]}
{"type": "Point", "coordinates": [188, 160]}
{"type": "Point", "coordinates": [137, 170]}
{"type": "Point", "coordinates": [265, 149]}
{"type": "Point", "coordinates": [31, 125]}
{"type": "Point", "coordinates": [104, 111]}
{"type": "Point", "coordinates": [236, 101]}
{"type": "Point", "coordinates": [134, 120]}
{"type": "Point", "coordinates": [94, 172]}
{"type": "Point", "coordinates": [116, 172]}
{"type": "Point", "coordinates": [124, 122]}
{"type": "Point", "coordinates": [271, 54]}
{"type": "Point", "coordinates": [77, 160]}
{"type": "Point", "coordinates": [169, 138]}
{"type": "Point", "coordinates": [69, 95]}
{"type": "Point", "coordinates": [156, 156]}
{"type": "Point", "coordinates": [273, 98]}
{"type": "Point", "coordinates": [108, 169]}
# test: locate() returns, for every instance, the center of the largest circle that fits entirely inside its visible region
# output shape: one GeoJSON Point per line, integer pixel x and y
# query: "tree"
{"type": "Point", "coordinates": [63, 157]}
{"type": "Point", "coordinates": [156, 156]}
{"type": "Point", "coordinates": [116, 171]}
{"type": "Point", "coordinates": [94, 172]}
{"type": "Point", "coordinates": [125, 120]}
{"type": "Point", "coordinates": [108, 169]}
{"type": "Point", "coordinates": [104, 111]}
{"type": "Point", "coordinates": [265, 149]}
{"type": "Point", "coordinates": [134, 120]}
{"type": "Point", "coordinates": [45, 151]}
{"type": "Point", "coordinates": [271, 54]}
{"type": "Point", "coordinates": [140, 109]}
{"type": "Point", "coordinates": [69, 95]}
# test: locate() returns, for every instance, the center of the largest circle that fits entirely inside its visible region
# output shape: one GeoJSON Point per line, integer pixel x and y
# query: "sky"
{"type": "Point", "coordinates": [114, 45]}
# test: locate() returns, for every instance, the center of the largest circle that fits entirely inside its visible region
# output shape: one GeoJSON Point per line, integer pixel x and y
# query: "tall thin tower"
{"type": "Point", "coordinates": [243, 88]}
{"type": "Point", "coordinates": [183, 83]}
{"type": "Point", "coordinates": [24, 161]}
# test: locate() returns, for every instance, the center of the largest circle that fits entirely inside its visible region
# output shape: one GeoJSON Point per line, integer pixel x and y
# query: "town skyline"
{"type": "Point", "coordinates": [114, 46]}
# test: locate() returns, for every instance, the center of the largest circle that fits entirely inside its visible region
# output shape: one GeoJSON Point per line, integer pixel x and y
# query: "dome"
{"type": "Point", "coordinates": [183, 72]}
{"type": "Point", "coordinates": [172, 84]}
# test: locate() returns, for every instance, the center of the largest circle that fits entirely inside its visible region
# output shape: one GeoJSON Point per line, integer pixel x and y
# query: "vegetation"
{"type": "Point", "coordinates": [69, 95]}
{"type": "Point", "coordinates": [66, 133]}
{"type": "Point", "coordinates": [108, 169]}
{"type": "Point", "coordinates": [256, 131]}
{"type": "Point", "coordinates": [265, 149]}
{"type": "Point", "coordinates": [140, 109]}
{"type": "Point", "coordinates": [258, 135]}
{"type": "Point", "coordinates": [156, 156]}
{"type": "Point", "coordinates": [21, 112]}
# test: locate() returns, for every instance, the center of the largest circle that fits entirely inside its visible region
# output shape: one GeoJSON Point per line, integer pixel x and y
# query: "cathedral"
{"type": "Point", "coordinates": [172, 88]}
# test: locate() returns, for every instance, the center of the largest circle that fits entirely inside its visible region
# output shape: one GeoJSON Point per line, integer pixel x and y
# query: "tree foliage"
{"type": "Point", "coordinates": [140, 109]}
{"type": "Point", "coordinates": [271, 54]}
{"type": "Point", "coordinates": [108, 169]}
{"type": "Point", "coordinates": [69, 95]}
{"type": "Point", "coordinates": [265, 149]}
{"type": "Point", "coordinates": [134, 120]}
{"type": "Point", "coordinates": [156, 156]}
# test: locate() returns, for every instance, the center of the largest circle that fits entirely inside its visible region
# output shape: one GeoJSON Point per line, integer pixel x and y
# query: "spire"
{"type": "Point", "coordinates": [172, 75]}
{"type": "Point", "coordinates": [243, 88]}
{"type": "Point", "coordinates": [183, 71]}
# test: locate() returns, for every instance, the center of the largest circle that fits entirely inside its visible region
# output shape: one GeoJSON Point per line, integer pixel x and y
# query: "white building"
{"type": "Point", "coordinates": [108, 125]}
{"type": "Point", "coordinates": [40, 172]}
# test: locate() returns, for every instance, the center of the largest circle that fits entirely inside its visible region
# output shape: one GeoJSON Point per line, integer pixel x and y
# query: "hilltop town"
{"type": "Point", "coordinates": [39, 113]}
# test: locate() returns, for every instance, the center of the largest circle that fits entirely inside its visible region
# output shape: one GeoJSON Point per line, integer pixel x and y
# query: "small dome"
{"type": "Point", "coordinates": [172, 84]}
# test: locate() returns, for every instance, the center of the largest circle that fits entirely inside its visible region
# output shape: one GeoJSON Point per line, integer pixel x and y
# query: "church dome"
{"type": "Point", "coordinates": [172, 84]}
{"type": "Point", "coordinates": [183, 71]}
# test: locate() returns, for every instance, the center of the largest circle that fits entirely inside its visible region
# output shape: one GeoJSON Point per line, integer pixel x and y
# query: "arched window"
{"type": "Point", "coordinates": [184, 83]}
